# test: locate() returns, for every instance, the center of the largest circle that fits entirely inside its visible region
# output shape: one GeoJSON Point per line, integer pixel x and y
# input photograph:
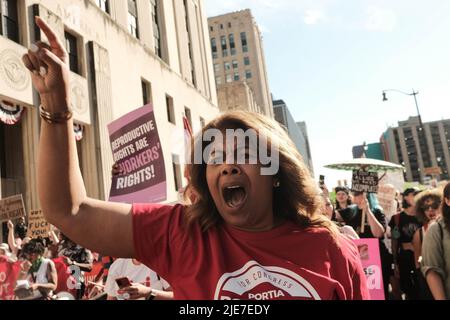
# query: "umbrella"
{"type": "Point", "coordinates": [366, 164]}
{"type": "Point", "coordinates": [370, 165]}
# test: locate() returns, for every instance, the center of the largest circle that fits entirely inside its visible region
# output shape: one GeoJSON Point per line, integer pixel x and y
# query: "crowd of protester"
{"type": "Point", "coordinates": [56, 268]}
{"type": "Point", "coordinates": [416, 264]}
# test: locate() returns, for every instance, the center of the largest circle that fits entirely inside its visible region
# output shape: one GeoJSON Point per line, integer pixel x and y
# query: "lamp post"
{"type": "Point", "coordinates": [421, 128]}
{"type": "Point", "coordinates": [365, 148]}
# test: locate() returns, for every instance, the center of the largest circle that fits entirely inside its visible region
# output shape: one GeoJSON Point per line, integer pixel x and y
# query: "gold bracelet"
{"type": "Point", "coordinates": [55, 117]}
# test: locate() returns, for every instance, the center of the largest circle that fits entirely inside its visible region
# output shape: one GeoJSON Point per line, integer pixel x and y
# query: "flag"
{"type": "Point", "coordinates": [188, 134]}
{"type": "Point", "coordinates": [187, 144]}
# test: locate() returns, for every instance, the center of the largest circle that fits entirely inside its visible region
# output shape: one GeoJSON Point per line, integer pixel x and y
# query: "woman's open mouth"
{"type": "Point", "coordinates": [234, 196]}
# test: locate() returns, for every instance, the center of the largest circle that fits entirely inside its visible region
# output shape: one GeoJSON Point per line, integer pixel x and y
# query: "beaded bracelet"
{"type": "Point", "coordinates": [55, 117]}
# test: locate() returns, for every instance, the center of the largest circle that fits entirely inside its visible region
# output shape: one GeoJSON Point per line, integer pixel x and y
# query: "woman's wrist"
{"type": "Point", "coordinates": [54, 103]}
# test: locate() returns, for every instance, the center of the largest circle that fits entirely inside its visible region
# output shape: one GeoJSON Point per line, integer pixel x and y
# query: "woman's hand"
{"type": "Point", "coordinates": [10, 225]}
{"type": "Point", "coordinates": [135, 291]}
{"type": "Point", "coordinates": [49, 70]}
{"type": "Point", "coordinates": [25, 266]}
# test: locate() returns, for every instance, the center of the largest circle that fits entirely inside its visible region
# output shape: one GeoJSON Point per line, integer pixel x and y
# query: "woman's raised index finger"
{"type": "Point", "coordinates": [53, 39]}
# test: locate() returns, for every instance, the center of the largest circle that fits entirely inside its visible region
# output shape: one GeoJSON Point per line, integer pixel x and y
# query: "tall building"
{"type": "Point", "coordinates": [123, 54]}
{"type": "Point", "coordinates": [297, 131]}
{"type": "Point", "coordinates": [305, 146]}
{"type": "Point", "coordinates": [238, 55]}
{"type": "Point", "coordinates": [425, 154]}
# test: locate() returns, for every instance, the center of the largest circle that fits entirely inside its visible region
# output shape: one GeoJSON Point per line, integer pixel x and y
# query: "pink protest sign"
{"type": "Point", "coordinates": [137, 150]}
{"type": "Point", "coordinates": [369, 252]}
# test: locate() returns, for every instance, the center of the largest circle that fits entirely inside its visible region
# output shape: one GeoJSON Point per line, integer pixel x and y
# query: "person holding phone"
{"type": "Point", "coordinates": [129, 279]}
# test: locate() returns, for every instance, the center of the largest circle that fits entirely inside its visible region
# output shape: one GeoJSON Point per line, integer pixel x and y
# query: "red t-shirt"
{"type": "Point", "coordinates": [223, 263]}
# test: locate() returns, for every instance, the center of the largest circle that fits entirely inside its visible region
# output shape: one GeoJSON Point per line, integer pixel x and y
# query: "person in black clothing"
{"type": "Point", "coordinates": [373, 226]}
{"type": "Point", "coordinates": [403, 226]}
{"type": "Point", "coordinates": [77, 256]}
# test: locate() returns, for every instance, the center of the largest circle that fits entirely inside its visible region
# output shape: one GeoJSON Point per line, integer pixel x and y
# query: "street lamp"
{"type": "Point", "coordinates": [421, 128]}
{"type": "Point", "coordinates": [365, 148]}
{"type": "Point", "coordinates": [414, 93]}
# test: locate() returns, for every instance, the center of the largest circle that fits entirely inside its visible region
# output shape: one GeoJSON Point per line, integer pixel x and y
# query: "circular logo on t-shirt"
{"type": "Point", "coordinates": [256, 282]}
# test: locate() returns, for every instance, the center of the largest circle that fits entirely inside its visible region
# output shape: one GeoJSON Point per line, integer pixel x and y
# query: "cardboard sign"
{"type": "Point", "coordinates": [369, 253]}
{"type": "Point", "coordinates": [11, 208]}
{"type": "Point", "coordinates": [137, 150]}
{"type": "Point", "coordinates": [364, 181]}
{"type": "Point", "coordinates": [37, 225]}
{"type": "Point", "coordinates": [396, 178]}
{"type": "Point", "coordinates": [386, 198]}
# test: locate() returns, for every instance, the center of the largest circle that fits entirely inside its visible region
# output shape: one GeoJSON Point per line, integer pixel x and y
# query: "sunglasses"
{"type": "Point", "coordinates": [433, 206]}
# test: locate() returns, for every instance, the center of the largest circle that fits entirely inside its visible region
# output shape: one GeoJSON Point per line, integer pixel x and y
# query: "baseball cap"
{"type": "Point", "coordinates": [410, 190]}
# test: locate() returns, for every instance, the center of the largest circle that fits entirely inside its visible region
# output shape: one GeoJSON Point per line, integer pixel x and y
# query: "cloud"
{"type": "Point", "coordinates": [314, 17]}
{"type": "Point", "coordinates": [380, 19]}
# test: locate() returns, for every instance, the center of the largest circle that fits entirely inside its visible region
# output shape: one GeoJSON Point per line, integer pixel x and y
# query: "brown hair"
{"type": "Point", "coordinates": [420, 200]}
{"type": "Point", "coordinates": [297, 199]}
{"type": "Point", "coordinates": [446, 208]}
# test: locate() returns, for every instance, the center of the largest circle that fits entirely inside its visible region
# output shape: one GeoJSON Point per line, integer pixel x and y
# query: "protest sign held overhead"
{"type": "Point", "coordinates": [364, 181]}
{"type": "Point", "coordinates": [37, 225]}
{"type": "Point", "coordinates": [137, 150]}
{"type": "Point", "coordinates": [11, 208]}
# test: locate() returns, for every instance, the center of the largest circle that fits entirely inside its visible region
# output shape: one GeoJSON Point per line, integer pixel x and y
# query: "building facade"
{"type": "Point", "coordinates": [423, 152]}
{"type": "Point", "coordinates": [237, 96]}
{"type": "Point", "coordinates": [297, 131]}
{"type": "Point", "coordinates": [306, 146]}
{"type": "Point", "coordinates": [122, 55]}
{"type": "Point", "coordinates": [238, 56]}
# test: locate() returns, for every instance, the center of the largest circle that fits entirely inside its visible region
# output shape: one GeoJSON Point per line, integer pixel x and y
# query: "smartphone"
{"type": "Point", "coordinates": [321, 180]}
{"type": "Point", "coordinates": [123, 282]}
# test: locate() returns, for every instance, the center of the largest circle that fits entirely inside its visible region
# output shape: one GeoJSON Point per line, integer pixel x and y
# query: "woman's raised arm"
{"type": "Point", "coordinates": [100, 226]}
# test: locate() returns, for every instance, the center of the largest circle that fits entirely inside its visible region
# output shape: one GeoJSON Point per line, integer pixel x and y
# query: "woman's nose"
{"type": "Point", "coordinates": [230, 170]}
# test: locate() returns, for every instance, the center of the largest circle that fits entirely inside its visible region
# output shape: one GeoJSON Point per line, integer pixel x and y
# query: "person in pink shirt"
{"type": "Point", "coordinates": [252, 233]}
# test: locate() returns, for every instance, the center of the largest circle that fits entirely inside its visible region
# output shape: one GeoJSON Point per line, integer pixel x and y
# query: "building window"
{"type": "Point", "coordinates": [176, 172]}
{"type": "Point", "coordinates": [202, 122]}
{"type": "Point", "coordinates": [223, 42]}
{"type": "Point", "coordinates": [187, 113]}
{"type": "Point", "coordinates": [229, 24]}
{"type": "Point", "coordinates": [247, 61]}
{"type": "Point", "coordinates": [146, 92]}
{"type": "Point", "coordinates": [216, 67]}
{"type": "Point", "coordinates": [211, 28]}
{"type": "Point", "coordinates": [244, 42]}
{"type": "Point", "coordinates": [227, 66]}
{"type": "Point", "coordinates": [9, 26]}
{"type": "Point", "coordinates": [214, 48]}
{"type": "Point", "coordinates": [248, 74]}
{"type": "Point", "coordinates": [235, 64]}
{"type": "Point", "coordinates": [236, 75]}
{"type": "Point", "coordinates": [229, 78]}
{"type": "Point", "coordinates": [221, 26]}
{"type": "Point", "coordinates": [154, 8]}
{"type": "Point", "coordinates": [218, 80]}
{"type": "Point", "coordinates": [133, 18]}
{"type": "Point", "coordinates": [104, 5]}
{"type": "Point", "coordinates": [170, 109]}
{"type": "Point", "coordinates": [232, 45]}
{"type": "Point", "coordinates": [72, 51]}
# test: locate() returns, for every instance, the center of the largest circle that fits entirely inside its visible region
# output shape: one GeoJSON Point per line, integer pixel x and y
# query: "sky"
{"type": "Point", "coordinates": [330, 60]}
